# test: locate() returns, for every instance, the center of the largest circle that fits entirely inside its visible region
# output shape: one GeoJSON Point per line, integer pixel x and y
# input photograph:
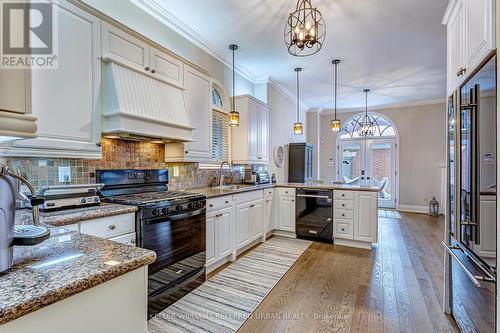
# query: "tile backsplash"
{"type": "Point", "coordinates": [119, 154]}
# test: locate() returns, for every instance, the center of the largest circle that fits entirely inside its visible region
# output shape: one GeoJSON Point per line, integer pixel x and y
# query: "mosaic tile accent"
{"type": "Point", "coordinates": [120, 154]}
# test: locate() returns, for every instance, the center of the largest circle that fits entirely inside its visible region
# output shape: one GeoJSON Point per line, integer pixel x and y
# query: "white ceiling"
{"type": "Point", "coordinates": [397, 48]}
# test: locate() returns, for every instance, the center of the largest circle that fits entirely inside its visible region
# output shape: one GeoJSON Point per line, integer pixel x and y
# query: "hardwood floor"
{"type": "Point", "coordinates": [396, 287]}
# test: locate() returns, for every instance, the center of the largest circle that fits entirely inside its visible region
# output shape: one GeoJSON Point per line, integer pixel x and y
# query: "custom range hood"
{"type": "Point", "coordinates": [138, 107]}
{"type": "Point", "coordinates": [16, 125]}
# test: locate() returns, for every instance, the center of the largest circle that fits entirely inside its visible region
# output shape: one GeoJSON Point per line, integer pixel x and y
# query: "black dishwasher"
{"type": "Point", "coordinates": [314, 214]}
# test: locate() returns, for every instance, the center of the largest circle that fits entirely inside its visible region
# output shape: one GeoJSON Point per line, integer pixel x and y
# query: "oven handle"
{"type": "Point", "coordinates": [474, 278]}
{"type": "Point", "coordinates": [177, 217]}
{"type": "Point", "coordinates": [313, 196]}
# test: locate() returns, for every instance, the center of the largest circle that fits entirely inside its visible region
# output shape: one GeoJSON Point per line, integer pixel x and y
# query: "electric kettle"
{"type": "Point", "coordinates": [10, 234]}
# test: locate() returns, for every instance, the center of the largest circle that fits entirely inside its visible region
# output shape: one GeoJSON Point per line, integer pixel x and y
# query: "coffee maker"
{"type": "Point", "coordinates": [10, 234]}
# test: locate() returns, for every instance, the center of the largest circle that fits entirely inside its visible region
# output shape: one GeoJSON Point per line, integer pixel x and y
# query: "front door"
{"type": "Point", "coordinates": [370, 162]}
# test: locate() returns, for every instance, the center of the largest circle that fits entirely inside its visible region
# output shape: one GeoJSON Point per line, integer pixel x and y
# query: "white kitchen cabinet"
{"type": "Point", "coordinates": [14, 90]}
{"type": "Point", "coordinates": [286, 215]}
{"type": "Point", "coordinates": [65, 100]}
{"type": "Point", "coordinates": [479, 31]}
{"type": "Point", "coordinates": [129, 239]}
{"type": "Point", "coordinates": [242, 224]}
{"type": "Point", "coordinates": [470, 37]}
{"type": "Point", "coordinates": [366, 217]}
{"type": "Point", "coordinates": [211, 233]}
{"type": "Point", "coordinates": [270, 211]}
{"type": "Point", "coordinates": [198, 102]}
{"type": "Point", "coordinates": [219, 230]}
{"type": "Point", "coordinates": [487, 214]}
{"type": "Point", "coordinates": [135, 53]}
{"type": "Point", "coordinates": [256, 219]}
{"type": "Point", "coordinates": [109, 227]}
{"type": "Point", "coordinates": [251, 138]}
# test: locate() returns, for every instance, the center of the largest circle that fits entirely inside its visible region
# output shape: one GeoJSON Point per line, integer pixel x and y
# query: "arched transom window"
{"type": "Point", "coordinates": [381, 127]}
{"type": "Point", "coordinates": [217, 99]}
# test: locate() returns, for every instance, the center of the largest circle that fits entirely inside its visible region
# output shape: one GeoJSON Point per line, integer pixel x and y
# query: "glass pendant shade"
{"type": "Point", "coordinates": [298, 129]}
{"type": "Point", "coordinates": [234, 119]}
{"type": "Point", "coordinates": [335, 125]}
{"type": "Point", "coordinates": [234, 116]}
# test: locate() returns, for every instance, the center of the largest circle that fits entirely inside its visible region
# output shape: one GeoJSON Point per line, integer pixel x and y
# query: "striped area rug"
{"type": "Point", "coordinates": [225, 301]}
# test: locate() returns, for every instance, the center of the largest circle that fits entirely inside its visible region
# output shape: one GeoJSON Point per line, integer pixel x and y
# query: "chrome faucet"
{"type": "Point", "coordinates": [221, 176]}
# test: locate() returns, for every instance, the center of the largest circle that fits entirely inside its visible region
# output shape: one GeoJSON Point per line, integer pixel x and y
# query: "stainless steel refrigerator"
{"type": "Point", "coordinates": [472, 201]}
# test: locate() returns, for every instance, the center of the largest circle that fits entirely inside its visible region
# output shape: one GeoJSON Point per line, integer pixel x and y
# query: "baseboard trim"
{"type": "Point", "coordinates": [414, 209]}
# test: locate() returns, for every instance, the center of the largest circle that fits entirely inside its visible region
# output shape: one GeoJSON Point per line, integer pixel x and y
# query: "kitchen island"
{"type": "Point", "coordinates": [75, 282]}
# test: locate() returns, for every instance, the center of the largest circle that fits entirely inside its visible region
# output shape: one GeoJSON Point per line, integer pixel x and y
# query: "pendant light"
{"type": "Point", "coordinates": [234, 116]}
{"type": "Point", "coordinates": [298, 129]}
{"type": "Point", "coordinates": [305, 30]}
{"type": "Point", "coordinates": [335, 123]}
{"type": "Point", "coordinates": [366, 127]}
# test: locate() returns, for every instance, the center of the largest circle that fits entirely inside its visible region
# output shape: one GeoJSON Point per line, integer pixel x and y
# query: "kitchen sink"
{"type": "Point", "coordinates": [229, 187]}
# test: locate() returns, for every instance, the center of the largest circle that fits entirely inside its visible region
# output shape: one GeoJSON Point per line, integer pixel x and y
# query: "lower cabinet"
{"type": "Point", "coordinates": [249, 217]}
{"type": "Point", "coordinates": [286, 209]}
{"type": "Point", "coordinates": [218, 232]}
{"type": "Point", "coordinates": [355, 216]}
{"type": "Point", "coordinates": [269, 214]}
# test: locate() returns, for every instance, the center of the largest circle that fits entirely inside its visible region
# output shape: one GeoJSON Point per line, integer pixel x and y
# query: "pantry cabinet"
{"type": "Point", "coordinates": [137, 54]}
{"type": "Point", "coordinates": [470, 37]}
{"type": "Point", "coordinates": [251, 138]}
{"type": "Point", "coordinates": [65, 100]}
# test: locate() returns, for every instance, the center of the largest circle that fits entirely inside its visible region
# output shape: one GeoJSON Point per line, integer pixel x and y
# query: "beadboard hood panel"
{"type": "Point", "coordinates": [136, 105]}
{"type": "Point", "coordinates": [15, 125]}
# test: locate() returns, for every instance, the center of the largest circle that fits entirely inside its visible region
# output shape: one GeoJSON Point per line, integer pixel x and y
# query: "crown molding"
{"type": "Point", "coordinates": [388, 106]}
{"type": "Point", "coordinates": [285, 92]}
{"type": "Point", "coordinates": [167, 18]}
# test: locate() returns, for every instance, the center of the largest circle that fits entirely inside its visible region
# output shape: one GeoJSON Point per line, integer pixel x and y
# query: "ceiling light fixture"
{"type": "Point", "coordinates": [298, 129]}
{"type": "Point", "coordinates": [335, 123]}
{"type": "Point", "coordinates": [234, 116]}
{"type": "Point", "coordinates": [366, 125]}
{"type": "Point", "coordinates": [305, 30]}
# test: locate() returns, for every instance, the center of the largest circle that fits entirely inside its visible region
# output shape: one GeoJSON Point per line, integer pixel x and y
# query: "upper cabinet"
{"type": "Point", "coordinates": [198, 96]}
{"type": "Point", "coordinates": [250, 140]}
{"type": "Point", "coordinates": [135, 53]}
{"type": "Point", "coordinates": [65, 100]}
{"type": "Point", "coordinates": [470, 37]}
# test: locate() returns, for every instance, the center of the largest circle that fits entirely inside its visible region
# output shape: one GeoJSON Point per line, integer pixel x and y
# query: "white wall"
{"type": "Point", "coordinates": [422, 150]}
{"type": "Point", "coordinates": [128, 14]}
{"type": "Point", "coordinates": [282, 116]}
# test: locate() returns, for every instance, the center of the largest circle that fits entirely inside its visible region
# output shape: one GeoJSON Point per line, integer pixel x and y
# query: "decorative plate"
{"type": "Point", "coordinates": [279, 156]}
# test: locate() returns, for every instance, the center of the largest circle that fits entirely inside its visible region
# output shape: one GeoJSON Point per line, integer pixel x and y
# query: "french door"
{"type": "Point", "coordinates": [370, 162]}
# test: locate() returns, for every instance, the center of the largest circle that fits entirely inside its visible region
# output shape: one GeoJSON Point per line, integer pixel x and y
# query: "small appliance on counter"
{"type": "Point", "coordinates": [70, 196]}
{"type": "Point", "coordinates": [250, 175]}
{"type": "Point", "coordinates": [11, 234]}
{"type": "Point", "coordinates": [263, 177]}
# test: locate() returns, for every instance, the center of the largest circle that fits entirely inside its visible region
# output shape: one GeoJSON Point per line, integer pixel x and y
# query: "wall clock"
{"type": "Point", "coordinates": [279, 156]}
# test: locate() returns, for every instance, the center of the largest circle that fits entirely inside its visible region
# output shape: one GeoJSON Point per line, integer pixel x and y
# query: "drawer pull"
{"type": "Point", "coordinates": [112, 227]}
{"type": "Point", "coordinates": [132, 241]}
{"type": "Point", "coordinates": [343, 195]}
{"type": "Point", "coordinates": [343, 205]}
{"type": "Point", "coordinates": [343, 214]}
{"type": "Point", "coordinates": [252, 206]}
{"type": "Point", "coordinates": [210, 205]}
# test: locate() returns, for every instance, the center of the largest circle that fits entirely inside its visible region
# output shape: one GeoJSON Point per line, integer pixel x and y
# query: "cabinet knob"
{"type": "Point", "coordinates": [343, 214]}
{"type": "Point", "coordinates": [343, 195]}
{"type": "Point", "coordinates": [112, 227]}
{"type": "Point", "coordinates": [461, 71]}
{"type": "Point", "coordinates": [343, 205]}
{"type": "Point", "coordinates": [227, 202]}
{"type": "Point", "coordinates": [252, 206]}
{"type": "Point", "coordinates": [132, 241]}
{"type": "Point", "coordinates": [211, 205]}
{"type": "Point", "coordinates": [147, 68]}
{"type": "Point", "coordinates": [153, 71]}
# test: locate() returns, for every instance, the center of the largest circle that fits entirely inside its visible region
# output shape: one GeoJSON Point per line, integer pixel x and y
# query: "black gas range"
{"type": "Point", "coordinates": [170, 223]}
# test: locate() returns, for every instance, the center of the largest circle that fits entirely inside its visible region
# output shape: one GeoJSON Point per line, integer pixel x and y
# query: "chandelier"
{"type": "Point", "coordinates": [305, 30]}
{"type": "Point", "coordinates": [366, 123]}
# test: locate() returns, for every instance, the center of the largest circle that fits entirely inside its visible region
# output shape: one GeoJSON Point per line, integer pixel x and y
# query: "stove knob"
{"type": "Point", "coordinates": [155, 212]}
{"type": "Point", "coordinates": [191, 205]}
{"type": "Point", "coordinates": [178, 208]}
{"type": "Point", "coordinates": [164, 211]}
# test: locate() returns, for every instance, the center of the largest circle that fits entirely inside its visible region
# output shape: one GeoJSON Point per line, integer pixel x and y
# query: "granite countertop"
{"type": "Point", "coordinates": [61, 218]}
{"type": "Point", "coordinates": [212, 192]}
{"type": "Point", "coordinates": [64, 265]}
